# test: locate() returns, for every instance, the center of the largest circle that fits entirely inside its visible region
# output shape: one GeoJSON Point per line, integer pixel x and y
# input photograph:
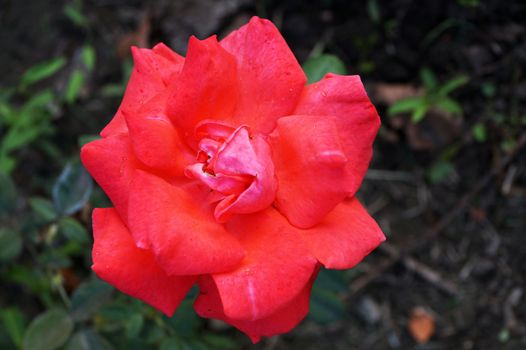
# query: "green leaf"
{"type": "Point", "coordinates": [419, 113]}
{"type": "Point", "coordinates": [48, 331]}
{"type": "Point", "coordinates": [10, 244]}
{"type": "Point", "coordinates": [449, 105]}
{"type": "Point", "coordinates": [17, 138]}
{"type": "Point", "coordinates": [73, 12]}
{"type": "Point", "coordinates": [72, 230]}
{"type": "Point", "coordinates": [7, 114]}
{"type": "Point", "coordinates": [134, 325]}
{"type": "Point", "coordinates": [186, 322]}
{"type": "Point", "coordinates": [41, 71]}
{"type": "Point", "coordinates": [76, 81]}
{"type": "Point", "coordinates": [14, 324]}
{"type": "Point", "coordinates": [325, 306]}
{"type": "Point", "coordinates": [452, 85]}
{"type": "Point", "coordinates": [72, 189]}
{"type": "Point", "coordinates": [488, 90]}
{"type": "Point", "coordinates": [7, 194]}
{"type": "Point", "coordinates": [333, 280]}
{"type": "Point", "coordinates": [373, 10]}
{"type": "Point", "coordinates": [406, 105]}
{"type": "Point", "coordinates": [479, 132]}
{"type": "Point", "coordinates": [171, 344]}
{"type": "Point", "coordinates": [54, 259]}
{"type": "Point", "coordinates": [6, 94]}
{"type": "Point", "coordinates": [87, 339]}
{"type": "Point", "coordinates": [316, 68]}
{"type": "Point", "coordinates": [504, 335]}
{"type": "Point", "coordinates": [194, 344]}
{"type": "Point", "coordinates": [88, 298]}
{"type": "Point", "coordinates": [30, 278]}
{"type": "Point", "coordinates": [84, 139]}
{"type": "Point", "coordinates": [113, 90]}
{"type": "Point", "coordinates": [43, 208]}
{"type": "Point", "coordinates": [154, 335]}
{"type": "Point", "coordinates": [428, 78]}
{"type": "Point", "coordinates": [37, 101]}
{"type": "Point", "coordinates": [440, 171]}
{"type": "Point", "coordinates": [219, 341]}
{"type": "Point", "coordinates": [88, 57]}
{"type": "Point", "coordinates": [7, 164]}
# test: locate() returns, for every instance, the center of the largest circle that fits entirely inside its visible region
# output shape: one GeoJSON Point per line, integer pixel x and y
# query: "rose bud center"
{"type": "Point", "coordinates": [237, 168]}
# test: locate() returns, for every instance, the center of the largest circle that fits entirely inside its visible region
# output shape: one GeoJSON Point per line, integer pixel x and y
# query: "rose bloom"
{"type": "Point", "coordinates": [227, 171]}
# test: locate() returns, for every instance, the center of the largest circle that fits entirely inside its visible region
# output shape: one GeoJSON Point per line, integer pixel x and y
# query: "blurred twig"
{"type": "Point", "coordinates": [396, 254]}
{"type": "Point", "coordinates": [387, 175]}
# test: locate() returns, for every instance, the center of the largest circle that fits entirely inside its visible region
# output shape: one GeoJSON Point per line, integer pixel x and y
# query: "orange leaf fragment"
{"type": "Point", "coordinates": [421, 325]}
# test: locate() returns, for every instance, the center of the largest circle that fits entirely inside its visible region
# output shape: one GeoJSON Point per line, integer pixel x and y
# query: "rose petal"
{"type": "Point", "coordinates": [134, 271]}
{"type": "Point", "coordinates": [208, 305]}
{"type": "Point", "coordinates": [155, 140]}
{"type": "Point", "coordinates": [180, 228]}
{"type": "Point", "coordinates": [166, 62]}
{"type": "Point", "coordinates": [276, 268]}
{"type": "Point", "coordinates": [310, 166]}
{"type": "Point", "coordinates": [241, 155]}
{"type": "Point", "coordinates": [345, 236]}
{"type": "Point", "coordinates": [270, 78]}
{"type": "Point", "coordinates": [117, 125]}
{"type": "Point", "coordinates": [152, 71]}
{"type": "Point", "coordinates": [207, 87]}
{"type": "Point", "coordinates": [219, 182]}
{"type": "Point", "coordinates": [111, 162]}
{"type": "Point", "coordinates": [357, 121]}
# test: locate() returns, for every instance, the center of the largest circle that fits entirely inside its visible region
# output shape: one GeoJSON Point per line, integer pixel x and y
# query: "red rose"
{"type": "Point", "coordinates": [226, 170]}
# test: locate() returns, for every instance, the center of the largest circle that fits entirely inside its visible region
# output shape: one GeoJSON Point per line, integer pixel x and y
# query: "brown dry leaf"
{"type": "Point", "coordinates": [421, 325]}
{"type": "Point", "coordinates": [436, 130]}
{"type": "Point", "coordinates": [478, 214]}
{"type": "Point", "coordinates": [71, 280]}
{"type": "Point", "coordinates": [390, 93]}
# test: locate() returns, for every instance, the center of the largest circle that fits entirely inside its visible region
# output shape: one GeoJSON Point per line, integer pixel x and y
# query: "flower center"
{"type": "Point", "coordinates": [236, 166]}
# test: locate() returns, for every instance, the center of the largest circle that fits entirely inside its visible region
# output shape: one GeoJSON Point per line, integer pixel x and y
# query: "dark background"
{"type": "Point", "coordinates": [449, 191]}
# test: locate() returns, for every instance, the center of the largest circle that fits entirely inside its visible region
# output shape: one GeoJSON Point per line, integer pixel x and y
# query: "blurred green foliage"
{"type": "Point", "coordinates": [316, 67]}
{"type": "Point", "coordinates": [435, 96]}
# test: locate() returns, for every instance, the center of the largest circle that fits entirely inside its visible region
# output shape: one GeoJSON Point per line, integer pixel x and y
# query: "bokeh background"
{"type": "Point", "coordinates": [447, 182]}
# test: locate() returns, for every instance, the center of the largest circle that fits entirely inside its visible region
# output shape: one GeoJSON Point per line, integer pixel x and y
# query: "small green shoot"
{"type": "Point", "coordinates": [435, 96]}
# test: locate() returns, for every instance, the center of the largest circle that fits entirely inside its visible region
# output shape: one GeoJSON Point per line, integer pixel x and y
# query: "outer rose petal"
{"type": "Point", "coordinates": [270, 78]}
{"type": "Point", "coordinates": [276, 268]}
{"type": "Point", "coordinates": [111, 162]}
{"type": "Point", "coordinates": [357, 121]}
{"type": "Point", "coordinates": [152, 71]}
{"type": "Point", "coordinates": [310, 166]}
{"type": "Point", "coordinates": [209, 305]}
{"type": "Point", "coordinates": [345, 236]}
{"type": "Point", "coordinates": [134, 271]}
{"type": "Point", "coordinates": [155, 140]}
{"type": "Point", "coordinates": [169, 67]}
{"type": "Point", "coordinates": [207, 87]}
{"type": "Point", "coordinates": [180, 228]}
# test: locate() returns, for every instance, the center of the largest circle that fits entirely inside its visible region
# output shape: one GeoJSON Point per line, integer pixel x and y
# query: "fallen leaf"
{"type": "Point", "coordinates": [421, 325]}
{"type": "Point", "coordinates": [478, 214]}
{"type": "Point", "coordinates": [390, 93]}
{"type": "Point", "coordinates": [71, 280]}
{"type": "Point", "coordinates": [436, 130]}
